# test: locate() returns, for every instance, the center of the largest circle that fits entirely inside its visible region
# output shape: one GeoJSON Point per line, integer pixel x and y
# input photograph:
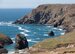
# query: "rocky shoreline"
{"type": "Point", "coordinates": [20, 43]}
{"type": "Point", "coordinates": [4, 40]}
{"type": "Point", "coordinates": [62, 45]}
{"type": "Point", "coordinates": [58, 15]}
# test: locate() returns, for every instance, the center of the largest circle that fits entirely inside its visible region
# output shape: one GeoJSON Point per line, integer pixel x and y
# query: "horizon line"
{"type": "Point", "coordinates": [36, 6]}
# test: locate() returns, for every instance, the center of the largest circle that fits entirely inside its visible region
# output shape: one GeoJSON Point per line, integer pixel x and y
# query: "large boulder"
{"type": "Point", "coordinates": [5, 40]}
{"type": "Point", "coordinates": [21, 42]}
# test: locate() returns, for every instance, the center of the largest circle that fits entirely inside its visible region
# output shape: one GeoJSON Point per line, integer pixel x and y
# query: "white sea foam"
{"type": "Point", "coordinates": [26, 30]}
{"type": "Point", "coordinates": [13, 39]}
{"type": "Point", "coordinates": [48, 26]}
{"type": "Point", "coordinates": [24, 33]}
{"type": "Point", "coordinates": [45, 34]}
{"type": "Point", "coordinates": [30, 40]}
{"type": "Point", "coordinates": [54, 28]}
{"type": "Point", "coordinates": [62, 33]}
{"type": "Point", "coordinates": [20, 28]}
{"type": "Point", "coordinates": [60, 29]}
{"type": "Point", "coordinates": [34, 41]}
{"type": "Point", "coordinates": [6, 23]}
{"type": "Point", "coordinates": [11, 52]}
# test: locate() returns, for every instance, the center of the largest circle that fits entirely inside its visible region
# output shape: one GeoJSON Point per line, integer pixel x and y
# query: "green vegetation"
{"type": "Point", "coordinates": [52, 43]}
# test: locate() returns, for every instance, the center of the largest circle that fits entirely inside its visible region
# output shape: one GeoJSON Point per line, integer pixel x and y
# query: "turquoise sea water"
{"type": "Point", "coordinates": [34, 33]}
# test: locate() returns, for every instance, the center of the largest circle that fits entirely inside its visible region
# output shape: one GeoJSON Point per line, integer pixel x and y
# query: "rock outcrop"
{"type": "Point", "coordinates": [62, 15]}
{"type": "Point", "coordinates": [21, 42]}
{"type": "Point", "coordinates": [5, 40]}
{"type": "Point", "coordinates": [51, 33]}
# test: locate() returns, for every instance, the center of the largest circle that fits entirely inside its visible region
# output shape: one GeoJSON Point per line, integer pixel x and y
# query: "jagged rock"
{"type": "Point", "coordinates": [21, 42]}
{"type": "Point", "coordinates": [51, 33]}
{"type": "Point", "coordinates": [55, 14]}
{"type": "Point", "coordinates": [5, 40]}
{"type": "Point", "coordinates": [1, 44]}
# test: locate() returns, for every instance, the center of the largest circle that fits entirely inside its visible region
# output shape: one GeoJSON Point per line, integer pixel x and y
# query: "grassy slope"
{"type": "Point", "coordinates": [5, 39]}
{"type": "Point", "coordinates": [51, 43]}
{"type": "Point", "coordinates": [2, 36]}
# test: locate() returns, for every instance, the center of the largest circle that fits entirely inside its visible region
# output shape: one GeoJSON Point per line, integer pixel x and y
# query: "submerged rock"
{"type": "Point", "coordinates": [51, 33]}
{"type": "Point", "coordinates": [21, 42]}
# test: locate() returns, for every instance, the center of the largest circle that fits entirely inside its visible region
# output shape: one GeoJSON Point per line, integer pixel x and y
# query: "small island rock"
{"type": "Point", "coordinates": [21, 42]}
{"type": "Point", "coordinates": [51, 33]}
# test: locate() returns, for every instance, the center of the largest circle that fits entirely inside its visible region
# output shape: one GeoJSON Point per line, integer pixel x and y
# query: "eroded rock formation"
{"type": "Point", "coordinates": [21, 42]}
{"type": "Point", "coordinates": [58, 15]}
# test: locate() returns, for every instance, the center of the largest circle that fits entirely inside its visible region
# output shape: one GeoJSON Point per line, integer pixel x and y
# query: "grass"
{"type": "Point", "coordinates": [51, 43]}
{"type": "Point", "coordinates": [2, 37]}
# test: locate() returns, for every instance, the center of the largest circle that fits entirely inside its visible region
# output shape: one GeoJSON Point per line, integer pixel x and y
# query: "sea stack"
{"type": "Point", "coordinates": [21, 42]}
{"type": "Point", "coordinates": [51, 33]}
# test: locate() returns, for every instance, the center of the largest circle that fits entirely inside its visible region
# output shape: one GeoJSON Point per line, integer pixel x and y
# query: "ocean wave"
{"type": "Point", "coordinates": [55, 28]}
{"type": "Point", "coordinates": [49, 26]}
{"type": "Point", "coordinates": [62, 33]}
{"type": "Point", "coordinates": [30, 40]}
{"type": "Point", "coordinates": [6, 23]}
{"type": "Point", "coordinates": [22, 29]}
{"type": "Point", "coordinates": [45, 34]}
{"type": "Point", "coordinates": [60, 29]}
{"type": "Point", "coordinates": [13, 39]}
{"type": "Point", "coordinates": [24, 33]}
{"type": "Point", "coordinates": [11, 52]}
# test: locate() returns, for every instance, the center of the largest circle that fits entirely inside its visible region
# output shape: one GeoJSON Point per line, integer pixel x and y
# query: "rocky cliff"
{"type": "Point", "coordinates": [58, 15]}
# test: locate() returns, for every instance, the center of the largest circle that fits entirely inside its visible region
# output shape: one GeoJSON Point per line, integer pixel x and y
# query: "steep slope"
{"type": "Point", "coordinates": [59, 45]}
{"type": "Point", "coordinates": [62, 15]}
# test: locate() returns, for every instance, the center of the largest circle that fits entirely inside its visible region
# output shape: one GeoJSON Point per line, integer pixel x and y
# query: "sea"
{"type": "Point", "coordinates": [33, 32]}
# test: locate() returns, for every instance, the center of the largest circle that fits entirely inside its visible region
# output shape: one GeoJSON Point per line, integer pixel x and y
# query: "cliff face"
{"type": "Point", "coordinates": [62, 15]}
